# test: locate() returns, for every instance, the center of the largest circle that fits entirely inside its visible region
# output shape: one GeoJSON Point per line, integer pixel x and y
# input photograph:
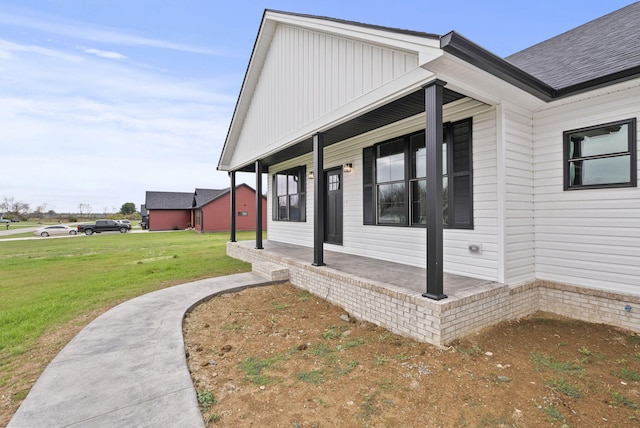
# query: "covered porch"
{"type": "Point", "coordinates": [391, 294]}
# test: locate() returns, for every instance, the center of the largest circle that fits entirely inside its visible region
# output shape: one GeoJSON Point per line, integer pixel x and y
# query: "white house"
{"type": "Point", "coordinates": [430, 152]}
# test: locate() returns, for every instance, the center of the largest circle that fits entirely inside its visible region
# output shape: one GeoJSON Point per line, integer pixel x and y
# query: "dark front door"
{"type": "Point", "coordinates": [333, 206]}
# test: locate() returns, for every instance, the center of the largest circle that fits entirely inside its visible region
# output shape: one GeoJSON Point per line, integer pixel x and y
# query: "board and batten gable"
{"type": "Point", "coordinates": [585, 237]}
{"type": "Point", "coordinates": [407, 245]}
{"type": "Point", "coordinates": [328, 72]}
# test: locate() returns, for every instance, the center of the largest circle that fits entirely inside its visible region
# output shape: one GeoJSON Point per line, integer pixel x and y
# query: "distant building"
{"type": "Point", "coordinates": [205, 210]}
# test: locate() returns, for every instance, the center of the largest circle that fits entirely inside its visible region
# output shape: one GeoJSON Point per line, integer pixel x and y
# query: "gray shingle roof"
{"type": "Point", "coordinates": [204, 196]}
{"type": "Point", "coordinates": [168, 200]}
{"type": "Point", "coordinates": [604, 46]}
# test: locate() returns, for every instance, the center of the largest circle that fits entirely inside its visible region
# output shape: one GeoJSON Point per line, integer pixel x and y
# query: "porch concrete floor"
{"type": "Point", "coordinates": [410, 278]}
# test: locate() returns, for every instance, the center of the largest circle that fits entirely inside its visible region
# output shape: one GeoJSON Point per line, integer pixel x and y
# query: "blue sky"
{"type": "Point", "coordinates": [102, 100]}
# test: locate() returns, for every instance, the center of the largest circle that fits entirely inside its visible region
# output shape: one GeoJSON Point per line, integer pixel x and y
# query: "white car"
{"type": "Point", "coordinates": [58, 229]}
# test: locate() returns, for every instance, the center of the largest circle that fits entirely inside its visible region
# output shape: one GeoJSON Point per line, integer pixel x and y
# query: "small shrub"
{"type": "Point", "coordinates": [343, 371]}
{"type": "Point", "coordinates": [380, 360]}
{"type": "Point", "coordinates": [620, 400]}
{"type": "Point", "coordinates": [305, 295]}
{"type": "Point", "coordinates": [585, 351]}
{"type": "Point", "coordinates": [552, 412]}
{"type": "Point", "coordinates": [628, 374]}
{"type": "Point", "coordinates": [542, 361]}
{"type": "Point", "coordinates": [561, 385]}
{"type": "Point", "coordinates": [471, 350]}
{"type": "Point", "coordinates": [332, 332]}
{"type": "Point", "coordinates": [358, 341]}
{"type": "Point", "coordinates": [206, 399]}
{"type": "Point", "coordinates": [253, 368]}
{"type": "Point", "coordinates": [314, 376]}
{"type": "Point", "coordinates": [321, 350]}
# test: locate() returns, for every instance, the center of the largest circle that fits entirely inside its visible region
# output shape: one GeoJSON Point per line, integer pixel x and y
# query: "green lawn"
{"type": "Point", "coordinates": [47, 282]}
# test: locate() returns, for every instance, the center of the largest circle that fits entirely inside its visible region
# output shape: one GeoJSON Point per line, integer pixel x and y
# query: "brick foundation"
{"type": "Point", "coordinates": [441, 322]}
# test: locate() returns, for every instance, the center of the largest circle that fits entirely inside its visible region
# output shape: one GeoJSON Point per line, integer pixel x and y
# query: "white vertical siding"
{"type": "Point", "coordinates": [518, 184]}
{"type": "Point", "coordinates": [585, 237]}
{"type": "Point", "coordinates": [405, 244]}
{"type": "Point", "coordinates": [457, 258]}
{"type": "Point", "coordinates": [297, 233]}
{"type": "Point", "coordinates": [307, 75]}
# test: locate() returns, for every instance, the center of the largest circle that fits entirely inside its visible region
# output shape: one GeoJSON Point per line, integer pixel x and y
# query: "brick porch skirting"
{"type": "Point", "coordinates": [407, 313]}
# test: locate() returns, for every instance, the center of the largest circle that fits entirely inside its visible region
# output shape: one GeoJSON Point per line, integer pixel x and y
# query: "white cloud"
{"type": "Point", "coordinates": [103, 54]}
{"type": "Point", "coordinates": [105, 35]}
{"type": "Point", "coordinates": [8, 49]}
{"type": "Point", "coordinates": [77, 129]}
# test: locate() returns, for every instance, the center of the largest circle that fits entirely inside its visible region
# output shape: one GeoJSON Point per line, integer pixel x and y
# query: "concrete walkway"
{"type": "Point", "coordinates": [127, 368]}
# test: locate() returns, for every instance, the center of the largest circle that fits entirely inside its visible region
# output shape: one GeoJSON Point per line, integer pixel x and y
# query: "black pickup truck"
{"type": "Point", "coordinates": [103, 226]}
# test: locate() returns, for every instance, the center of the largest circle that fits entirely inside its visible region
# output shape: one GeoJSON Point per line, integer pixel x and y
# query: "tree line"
{"type": "Point", "coordinates": [10, 207]}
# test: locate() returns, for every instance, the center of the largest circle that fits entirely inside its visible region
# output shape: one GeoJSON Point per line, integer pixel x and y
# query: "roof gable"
{"type": "Point", "coordinates": [310, 74]}
{"type": "Point", "coordinates": [602, 47]}
{"type": "Point", "coordinates": [204, 196]}
{"type": "Point", "coordinates": [303, 68]}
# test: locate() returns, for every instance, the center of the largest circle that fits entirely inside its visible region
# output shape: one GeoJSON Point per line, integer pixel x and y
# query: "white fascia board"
{"type": "Point", "coordinates": [254, 68]}
{"type": "Point", "coordinates": [392, 91]}
{"type": "Point", "coordinates": [618, 87]}
{"type": "Point", "coordinates": [475, 83]}
{"type": "Point", "coordinates": [399, 40]}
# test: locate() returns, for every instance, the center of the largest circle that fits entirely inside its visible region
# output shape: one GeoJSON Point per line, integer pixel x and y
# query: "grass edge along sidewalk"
{"type": "Point", "coordinates": [51, 285]}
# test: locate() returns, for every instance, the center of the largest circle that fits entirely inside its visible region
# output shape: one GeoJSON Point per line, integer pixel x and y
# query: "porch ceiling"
{"type": "Point", "coordinates": [402, 108]}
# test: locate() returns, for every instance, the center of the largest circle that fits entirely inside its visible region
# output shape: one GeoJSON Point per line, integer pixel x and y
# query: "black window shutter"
{"type": "Point", "coordinates": [302, 179]}
{"type": "Point", "coordinates": [368, 185]}
{"type": "Point", "coordinates": [461, 178]}
{"type": "Point", "coordinates": [274, 198]}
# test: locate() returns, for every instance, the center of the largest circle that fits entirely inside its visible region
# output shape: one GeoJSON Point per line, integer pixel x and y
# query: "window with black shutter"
{"type": "Point", "coordinates": [289, 203]}
{"type": "Point", "coordinates": [394, 179]}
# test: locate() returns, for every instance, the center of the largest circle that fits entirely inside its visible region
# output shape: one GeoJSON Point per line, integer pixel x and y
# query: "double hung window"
{"type": "Point", "coordinates": [394, 183]}
{"type": "Point", "coordinates": [390, 182]}
{"type": "Point", "coordinates": [289, 195]}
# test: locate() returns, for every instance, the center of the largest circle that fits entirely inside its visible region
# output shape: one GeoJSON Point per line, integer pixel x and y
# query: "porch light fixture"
{"type": "Point", "coordinates": [310, 175]}
{"type": "Point", "coordinates": [347, 167]}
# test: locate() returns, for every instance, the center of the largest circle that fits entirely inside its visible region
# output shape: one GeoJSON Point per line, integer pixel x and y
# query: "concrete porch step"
{"type": "Point", "coordinates": [270, 271]}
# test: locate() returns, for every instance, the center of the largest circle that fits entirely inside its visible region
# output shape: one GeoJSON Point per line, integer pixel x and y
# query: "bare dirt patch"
{"type": "Point", "coordinates": [278, 356]}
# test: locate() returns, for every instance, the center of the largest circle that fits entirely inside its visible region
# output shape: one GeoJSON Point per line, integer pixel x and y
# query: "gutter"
{"type": "Point", "coordinates": [457, 45]}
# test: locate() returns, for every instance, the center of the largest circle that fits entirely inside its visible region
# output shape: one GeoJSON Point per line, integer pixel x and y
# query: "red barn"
{"type": "Point", "coordinates": [206, 210]}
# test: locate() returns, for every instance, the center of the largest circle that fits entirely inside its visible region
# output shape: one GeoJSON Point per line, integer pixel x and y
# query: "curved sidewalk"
{"type": "Point", "coordinates": [128, 366]}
